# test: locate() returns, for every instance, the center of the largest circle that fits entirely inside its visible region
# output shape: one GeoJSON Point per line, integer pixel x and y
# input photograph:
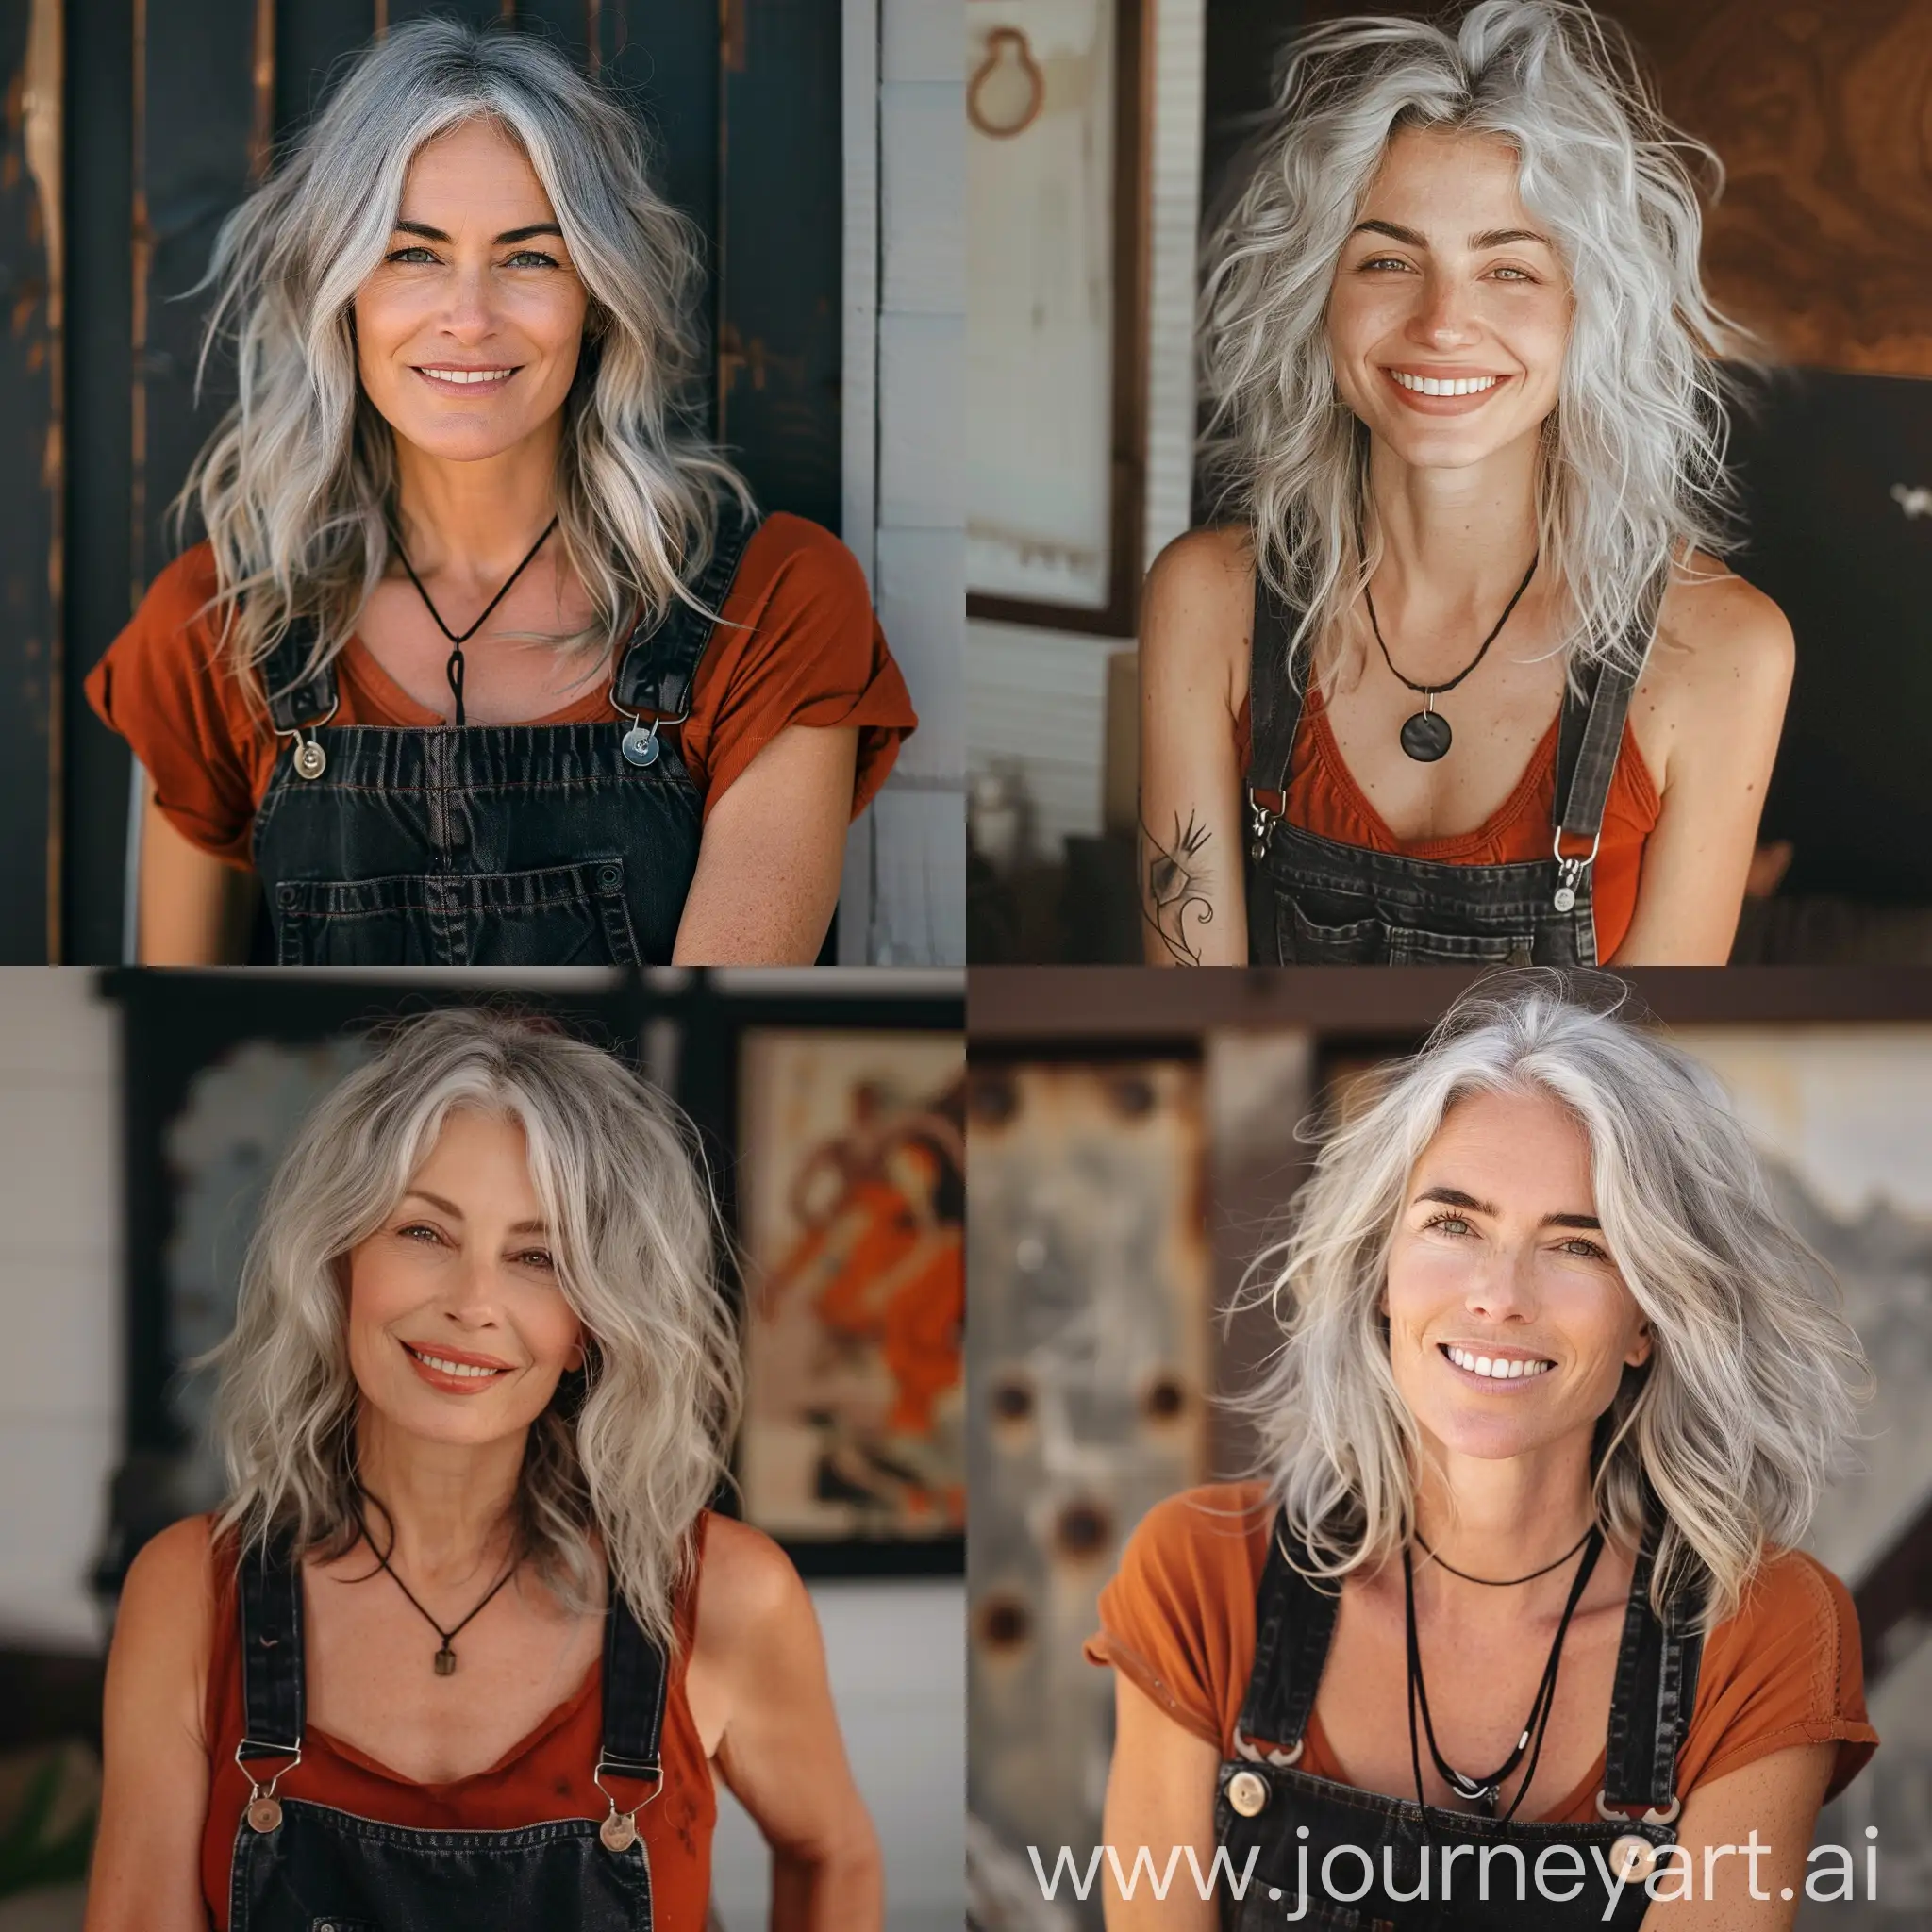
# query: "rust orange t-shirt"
{"type": "Point", "coordinates": [798, 644]}
{"type": "Point", "coordinates": [545, 1777]}
{"type": "Point", "coordinates": [1324, 798]}
{"type": "Point", "coordinates": [1179, 1618]}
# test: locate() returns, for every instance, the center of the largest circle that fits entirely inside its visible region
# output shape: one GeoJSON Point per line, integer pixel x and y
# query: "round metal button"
{"type": "Point", "coordinates": [1564, 899]}
{"type": "Point", "coordinates": [1247, 1794]}
{"type": "Point", "coordinates": [619, 1831]}
{"type": "Point", "coordinates": [639, 745]}
{"type": "Point", "coordinates": [1633, 1858]}
{"type": "Point", "coordinates": [310, 759]}
{"type": "Point", "coordinates": [609, 876]}
{"type": "Point", "coordinates": [265, 1814]}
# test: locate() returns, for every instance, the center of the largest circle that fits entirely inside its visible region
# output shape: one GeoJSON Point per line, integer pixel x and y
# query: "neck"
{"type": "Point", "coordinates": [449, 1506]}
{"type": "Point", "coordinates": [1452, 541]}
{"type": "Point", "coordinates": [473, 522]}
{"type": "Point", "coordinates": [1501, 1519]}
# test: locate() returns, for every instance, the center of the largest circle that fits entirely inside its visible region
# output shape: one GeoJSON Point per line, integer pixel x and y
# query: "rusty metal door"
{"type": "Point", "coordinates": [168, 111]}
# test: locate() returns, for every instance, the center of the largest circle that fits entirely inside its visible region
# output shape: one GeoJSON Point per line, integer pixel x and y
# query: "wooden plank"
{"type": "Point", "coordinates": [779, 347]}
{"type": "Point", "coordinates": [922, 605]}
{"type": "Point", "coordinates": [30, 561]}
{"type": "Point", "coordinates": [911, 910]}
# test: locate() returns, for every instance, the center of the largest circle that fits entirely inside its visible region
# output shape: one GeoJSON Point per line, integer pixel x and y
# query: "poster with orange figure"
{"type": "Point", "coordinates": [852, 1211]}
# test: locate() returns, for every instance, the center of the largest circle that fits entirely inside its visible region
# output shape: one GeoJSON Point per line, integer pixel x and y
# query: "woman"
{"type": "Point", "coordinates": [1464, 682]}
{"type": "Point", "coordinates": [487, 658]}
{"type": "Point", "coordinates": [465, 1647]}
{"type": "Point", "coordinates": [1557, 1389]}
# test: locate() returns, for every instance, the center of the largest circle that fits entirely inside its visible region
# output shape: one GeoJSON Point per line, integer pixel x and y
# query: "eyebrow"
{"type": "Point", "coordinates": [507, 236]}
{"type": "Point", "coordinates": [1454, 1197]}
{"type": "Point", "coordinates": [456, 1213]}
{"type": "Point", "coordinates": [1488, 238]}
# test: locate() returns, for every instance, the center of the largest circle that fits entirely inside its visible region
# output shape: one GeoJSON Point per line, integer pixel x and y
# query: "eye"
{"type": "Point", "coordinates": [530, 257]}
{"type": "Point", "coordinates": [1449, 1224]}
{"type": "Point", "coordinates": [416, 250]}
{"type": "Point", "coordinates": [1583, 1248]}
{"type": "Point", "coordinates": [1515, 274]}
{"type": "Point", "coordinates": [1384, 261]}
{"type": "Point", "coordinates": [422, 1230]}
{"type": "Point", "coordinates": [535, 1257]}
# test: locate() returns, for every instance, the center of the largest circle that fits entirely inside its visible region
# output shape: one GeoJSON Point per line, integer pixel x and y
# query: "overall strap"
{"type": "Point", "coordinates": [1295, 1621]}
{"type": "Point", "coordinates": [1656, 1690]}
{"type": "Point", "coordinates": [270, 1595]}
{"type": "Point", "coordinates": [1274, 699]}
{"type": "Point", "coordinates": [635, 1682]}
{"type": "Point", "coordinates": [293, 700]}
{"type": "Point", "coordinates": [658, 666]}
{"type": "Point", "coordinates": [1591, 731]}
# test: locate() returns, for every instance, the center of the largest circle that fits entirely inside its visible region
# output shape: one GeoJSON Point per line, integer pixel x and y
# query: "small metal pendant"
{"type": "Point", "coordinates": [1633, 1858]}
{"type": "Point", "coordinates": [1425, 737]}
{"type": "Point", "coordinates": [641, 745]}
{"type": "Point", "coordinates": [310, 759]}
{"type": "Point", "coordinates": [619, 1831]}
{"type": "Point", "coordinates": [445, 1661]}
{"type": "Point", "coordinates": [263, 1814]}
{"type": "Point", "coordinates": [1247, 1793]}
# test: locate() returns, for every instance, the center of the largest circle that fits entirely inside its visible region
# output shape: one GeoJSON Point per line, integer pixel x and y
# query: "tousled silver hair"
{"type": "Point", "coordinates": [1745, 1410]}
{"type": "Point", "coordinates": [632, 1447]}
{"type": "Point", "coordinates": [294, 484]}
{"type": "Point", "coordinates": [1632, 474]}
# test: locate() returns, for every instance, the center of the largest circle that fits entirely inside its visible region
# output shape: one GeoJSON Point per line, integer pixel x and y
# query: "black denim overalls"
{"type": "Point", "coordinates": [493, 845]}
{"type": "Point", "coordinates": [1315, 902]}
{"type": "Point", "coordinates": [301, 1867]}
{"type": "Point", "coordinates": [1264, 1805]}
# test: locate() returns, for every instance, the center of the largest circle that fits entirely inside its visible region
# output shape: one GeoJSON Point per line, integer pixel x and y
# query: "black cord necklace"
{"type": "Point", "coordinates": [1426, 735]}
{"type": "Point", "coordinates": [454, 669]}
{"type": "Point", "coordinates": [1484, 1792]}
{"type": "Point", "coordinates": [1501, 1582]}
{"type": "Point", "coordinates": [447, 1656]}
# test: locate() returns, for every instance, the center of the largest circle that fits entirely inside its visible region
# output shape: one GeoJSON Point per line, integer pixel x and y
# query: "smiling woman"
{"type": "Point", "coordinates": [487, 656]}
{"type": "Point", "coordinates": [1462, 680]}
{"type": "Point", "coordinates": [1556, 1394]}
{"type": "Point", "coordinates": [465, 1645]}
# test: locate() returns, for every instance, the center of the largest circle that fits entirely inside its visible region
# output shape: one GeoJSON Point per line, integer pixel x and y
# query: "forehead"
{"type": "Point", "coordinates": [477, 168]}
{"type": "Point", "coordinates": [1447, 183]}
{"type": "Point", "coordinates": [1523, 1147]}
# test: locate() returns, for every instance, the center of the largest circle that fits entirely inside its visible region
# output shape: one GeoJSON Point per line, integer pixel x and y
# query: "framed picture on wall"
{"type": "Point", "coordinates": [1056, 324]}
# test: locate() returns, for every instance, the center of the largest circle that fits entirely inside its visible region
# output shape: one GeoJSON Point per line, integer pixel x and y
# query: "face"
{"type": "Point", "coordinates": [458, 1328]}
{"type": "Point", "coordinates": [1499, 1265]}
{"type": "Point", "coordinates": [468, 332]}
{"type": "Point", "coordinates": [1448, 282]}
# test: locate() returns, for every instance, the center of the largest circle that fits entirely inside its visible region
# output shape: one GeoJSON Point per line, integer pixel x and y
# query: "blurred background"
{"type": "Point", "coordinates": [816, 146]}
{"type": "Point", "coordinates": [1133, 1138]}
{"type": "Point", "coordinates": [1103, 137]}
{"type": "Point", "coordinates": [141, 1116]}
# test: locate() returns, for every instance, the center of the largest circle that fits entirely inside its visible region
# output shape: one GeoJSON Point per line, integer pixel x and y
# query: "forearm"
{"type": "Point", "coordinates": [842, 1890]}
{"type": "Point", "coordinates": [1190, 887]}
{"type": "Point", "coordinates": [193, 910]}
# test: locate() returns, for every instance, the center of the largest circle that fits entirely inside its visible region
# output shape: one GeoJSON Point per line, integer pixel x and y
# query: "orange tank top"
{"type": "Point", "coordinates": [1324, 799]}
{"type": "Point", "coordinates": [545, 1777]}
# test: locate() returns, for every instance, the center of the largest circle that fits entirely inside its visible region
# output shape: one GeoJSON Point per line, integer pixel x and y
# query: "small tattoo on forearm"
{"type": "Point", "coordinates": [1174, 896]}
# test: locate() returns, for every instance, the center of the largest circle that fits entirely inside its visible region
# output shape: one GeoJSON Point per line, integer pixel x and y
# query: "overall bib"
{"type": "Point", "coordinates": [495, 844]}
{"type": "Point", "coordinates": [301, 1867]}
{"type": "Point", "coordinates": [1290, 1821]}
{"type": "Point", "coordinates": [1315, 902]}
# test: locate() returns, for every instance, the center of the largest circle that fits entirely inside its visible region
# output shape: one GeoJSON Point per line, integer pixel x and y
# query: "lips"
{"type": "Point", "coordinates": [455, 1371]}
{"type": "Point", "coordinates": [1404, 384]}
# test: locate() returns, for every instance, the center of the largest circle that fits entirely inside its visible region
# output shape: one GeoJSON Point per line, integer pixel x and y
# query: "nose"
{"type": "Point", "coordinates": [1445, 317]}
{"type": "Point", "coordinates": [470, 315]}
{"type": "Point", "coordinates": [1504, 1289]}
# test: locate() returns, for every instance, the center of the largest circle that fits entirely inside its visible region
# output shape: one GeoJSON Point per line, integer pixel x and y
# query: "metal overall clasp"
{"type": "Point", "coordinates": [264, 1810]}
{"type": "Point", "coordinates": [619, 1832]}
{"type": "Point", "coordinates": [310, 759]}
{"type": "Point", "coordinates": [1569, 872]}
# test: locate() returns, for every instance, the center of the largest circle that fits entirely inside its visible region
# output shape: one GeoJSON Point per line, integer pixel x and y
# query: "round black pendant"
{"type": "Point", "coordinates": [1425, 737]}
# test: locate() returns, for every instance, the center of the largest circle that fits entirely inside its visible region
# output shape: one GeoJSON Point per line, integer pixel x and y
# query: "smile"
{"type": "Point", "coordinates": [442, 1368]}
{"type": "Point", "coordinates": [1443, 385]}
{"type": "Point", "coordinates": [466, 378]}
{"type": "Point", "coordinates": [1497, 1367]}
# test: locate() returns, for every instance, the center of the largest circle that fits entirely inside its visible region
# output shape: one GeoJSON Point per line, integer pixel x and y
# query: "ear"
{"type": "Point", "coordinates": [575, 1360]}
{"type": "Point", "coordinates": [1639, 1351]}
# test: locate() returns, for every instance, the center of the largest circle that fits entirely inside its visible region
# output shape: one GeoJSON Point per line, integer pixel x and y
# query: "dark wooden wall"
{"type": "Point", "coordinates": [170, 110]}
{"type": "Point", "coordinates": [1823, 242]}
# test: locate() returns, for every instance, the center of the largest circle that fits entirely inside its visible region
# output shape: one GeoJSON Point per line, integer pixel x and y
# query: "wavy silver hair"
{"type": "Point", "coordinates": [292, 485]}
{"type": "Point", "coordinates": [1632, 469]}
{"type": "Point", "coordinates": [632, 1447]}
{"type": "Point", "coordinates": [1747, 1406]}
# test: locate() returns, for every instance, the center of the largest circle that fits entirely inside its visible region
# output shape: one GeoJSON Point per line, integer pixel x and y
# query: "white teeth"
{"type": "Point", "coordinates": [1498, 1368]}
{"type": "Point", "coordinates": [1443, 385]}
{"type": "Point", "coordinates": [467, 375]}
{"type": "Point", "coordinates": [449, 1368]}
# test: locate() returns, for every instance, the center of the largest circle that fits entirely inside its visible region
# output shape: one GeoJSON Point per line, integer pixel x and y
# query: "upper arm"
{"type": "Point", "coordinates": [780, 1751]}
{"type": "Point", "coordinates": [773, 850]}
{"type": "Point", "coordinates": [1196, 617]}
{"type": "Point", "coordinates": [1708, 719]}
{"type": "Point", "coordinates": [1772, 1802]}
{"type": "Point", "coordinates": [1160, 1795]}
{"type": "Point", "coordinates": [155, 1790]}
{"type": "Point", "coordinates": [195, 909]}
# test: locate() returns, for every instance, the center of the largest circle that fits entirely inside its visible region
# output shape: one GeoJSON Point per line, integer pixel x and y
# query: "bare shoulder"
{"type": "Point", "coordinates": [1719, 635]}
{"type": "Point", "coordinates": [164, 1627]}
{"type": "Point", "coordinates": [748, 1589]}
{"type": "Point", "coordinates": [1198, 608]}
{"type": "Point", "coordinates": [172, 1576]}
